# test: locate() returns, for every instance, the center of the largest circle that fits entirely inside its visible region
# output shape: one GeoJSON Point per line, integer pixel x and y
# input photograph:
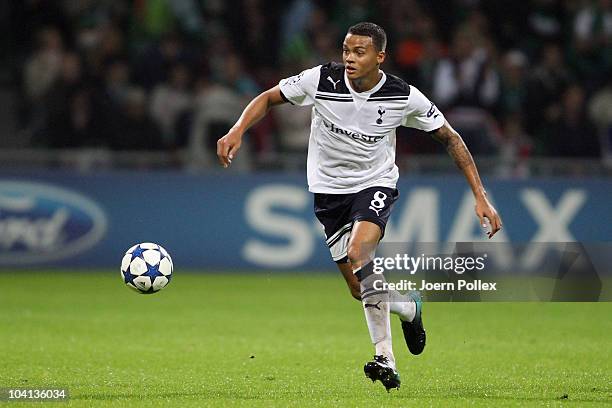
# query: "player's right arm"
{"type": "Point", "coordinates": [298, 90]}
{"type": "Point", "coordinates": [228, 145]}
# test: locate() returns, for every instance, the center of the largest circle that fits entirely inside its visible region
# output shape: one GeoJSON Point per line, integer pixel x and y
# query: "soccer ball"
{"type": "Point", "coordinates": [146, 268]}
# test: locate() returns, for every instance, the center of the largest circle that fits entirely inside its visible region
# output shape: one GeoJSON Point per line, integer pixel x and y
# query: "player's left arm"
{"type": "Point", "coordinates": [457, 149]}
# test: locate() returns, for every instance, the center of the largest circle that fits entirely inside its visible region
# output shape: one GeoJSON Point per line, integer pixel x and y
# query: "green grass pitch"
{"type": "Point", "coordinates": [287, 340]}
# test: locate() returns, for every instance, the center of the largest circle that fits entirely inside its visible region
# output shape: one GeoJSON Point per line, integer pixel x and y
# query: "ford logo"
{"type": "Point", "coordinates": [42, 223]}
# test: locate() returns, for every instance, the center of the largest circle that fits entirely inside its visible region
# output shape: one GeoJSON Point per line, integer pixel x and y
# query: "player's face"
{"type": "Point", "coordinates": [360, 57]}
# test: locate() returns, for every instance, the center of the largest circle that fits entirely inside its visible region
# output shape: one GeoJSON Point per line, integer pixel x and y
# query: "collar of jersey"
{"type": "Point", "coordinates": [365, 94]}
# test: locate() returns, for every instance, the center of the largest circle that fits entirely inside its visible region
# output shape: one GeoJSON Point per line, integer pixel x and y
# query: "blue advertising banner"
{"type": "Point", "coordinates": [262, 221]}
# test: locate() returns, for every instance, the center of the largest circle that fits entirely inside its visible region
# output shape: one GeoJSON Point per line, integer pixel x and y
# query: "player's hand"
{"type": "Point", "coordinates": [228, 146]}
{"type": "Point", "coordinates": [486, 212]}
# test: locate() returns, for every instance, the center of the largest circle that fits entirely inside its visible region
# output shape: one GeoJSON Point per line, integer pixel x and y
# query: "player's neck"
{"type": "Point", "coordinates": [366, 83]}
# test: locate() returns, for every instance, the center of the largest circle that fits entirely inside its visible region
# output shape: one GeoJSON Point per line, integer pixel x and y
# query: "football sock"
{"type": "Point", "coordinates": [402, 305]}
{"type": "Point", "coordinates": [376, 308]}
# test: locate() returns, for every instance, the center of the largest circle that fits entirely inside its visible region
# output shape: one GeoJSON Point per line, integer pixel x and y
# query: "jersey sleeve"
{"type": "Point", "coordinates": [300, 89]}
{"type": "Point", "coordinates": [421, 113]}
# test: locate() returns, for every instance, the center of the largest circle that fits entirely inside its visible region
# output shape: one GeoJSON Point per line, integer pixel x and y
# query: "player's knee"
{"type": "Point", "coordinates": [354, 254]}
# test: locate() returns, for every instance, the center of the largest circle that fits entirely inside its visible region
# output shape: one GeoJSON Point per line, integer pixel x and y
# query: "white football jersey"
{"type": "Point", "coordinates": [352, 134]}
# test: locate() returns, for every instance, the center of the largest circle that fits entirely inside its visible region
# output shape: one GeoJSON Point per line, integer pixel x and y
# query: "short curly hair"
{"type": "Point", "coordinates": [374, 31]}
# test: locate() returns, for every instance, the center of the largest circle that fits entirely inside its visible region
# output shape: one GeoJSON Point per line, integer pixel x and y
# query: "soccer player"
{"type": "Point", "coordinates": [352, 172]}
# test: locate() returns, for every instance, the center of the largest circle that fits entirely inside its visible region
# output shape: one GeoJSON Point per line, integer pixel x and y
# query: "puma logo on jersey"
{"type": "Point", "coordinates": [381, 112]}
{"type": "Point", "coordinates": [334, 83]}
{"type": "Point", "coordinates": [376, 210]}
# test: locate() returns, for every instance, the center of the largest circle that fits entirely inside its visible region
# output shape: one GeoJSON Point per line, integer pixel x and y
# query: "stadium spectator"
{"type": "Point", "coordinates": [515, 147]}
{"type": "Point", "coordinates": [465, 85]}
{"type": "Point", "coordinates": [485, 64]}
{"type": "Point", "coordinates": [294, 42]}
{"type": "Point", "coordinates": [233, 74]}
{"type": "Point", "coordinates": [76, 114]}
{"type": "Point", "coordinates": [325, 48]}
{"type": "Point", "coordinates": [171, 99]}
{"type": "Point", "coordinates": [513, 75]}
{"type": "Point", "coordinates": [153, 64]}
{"type": "Point", "coordinates": [467, 78]}
{"type": "Point", "coordinates": [100, 45]}
{"type": "Point", "coordinates": [137, 131]}
{"type": "Point", "coordinates": [544, 87]}
{"type": "Point", "coordinates": [544, 22]}
{"type": "Point", "coordinates": [600, 113]}
{"type": "Point", "coordinates": [418, 50]}
{"type": "Point", "coordinates": [572, 134]}
{"type": "Point", "coordinates": [252, 31]}
{"type": "Point", "coordinates": [152, 19]}
{"type": "Point", "coordinates": [591, 50]}
{"type": "Point", "coordinates": [216, 107]}
{"type": "Point", "coordinates": [293, 128]}
{"type": "Point", "coordinates": [43, 67]}
{"type": "Point", "coordinates": [116, 83]}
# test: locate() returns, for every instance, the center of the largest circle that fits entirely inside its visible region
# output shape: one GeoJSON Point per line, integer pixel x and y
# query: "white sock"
{"type": "Point", "coordinates": [402, 305]}
{"type": "Point", "coordinates": [376, 308]}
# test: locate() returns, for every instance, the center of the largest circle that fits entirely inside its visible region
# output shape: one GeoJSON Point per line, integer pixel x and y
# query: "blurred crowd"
{"type": "Point", "coordinates": [517, 79]}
